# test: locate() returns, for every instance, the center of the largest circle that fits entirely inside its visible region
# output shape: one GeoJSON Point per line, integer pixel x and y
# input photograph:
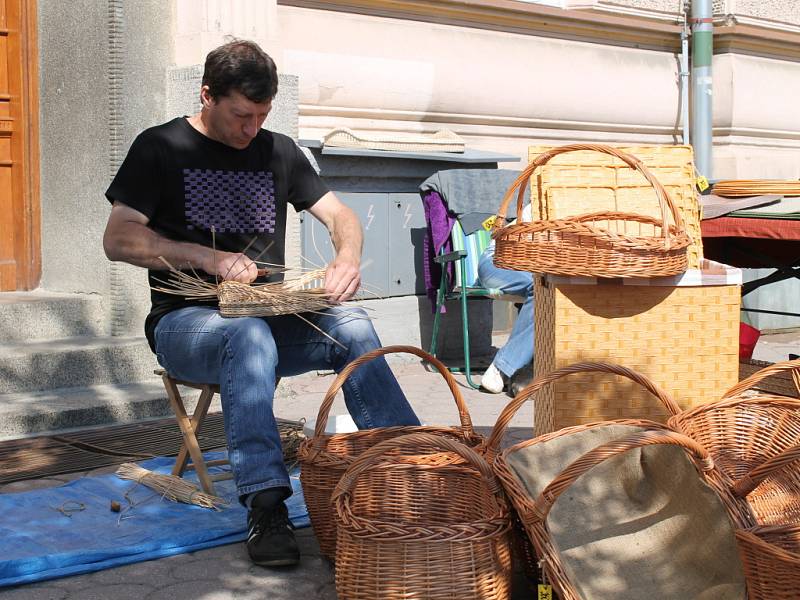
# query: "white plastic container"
{"type": "Point", "coordinates": [336, 424]}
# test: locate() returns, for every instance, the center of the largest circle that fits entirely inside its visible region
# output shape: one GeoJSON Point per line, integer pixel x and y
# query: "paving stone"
{"type": "Point", "coordinates": [120, 591]}
{"type": "Point", "coordinates": [34, 592]}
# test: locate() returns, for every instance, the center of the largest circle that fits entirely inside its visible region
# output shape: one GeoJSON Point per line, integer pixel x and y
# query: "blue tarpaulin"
{"type": "Point", "coordinates": [39, 542]}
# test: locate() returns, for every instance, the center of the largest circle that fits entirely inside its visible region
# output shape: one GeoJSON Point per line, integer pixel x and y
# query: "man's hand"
{"type": "Point", "coordinates": [231, 266]}
{"type": "Point", "coordinates": [342, 278]}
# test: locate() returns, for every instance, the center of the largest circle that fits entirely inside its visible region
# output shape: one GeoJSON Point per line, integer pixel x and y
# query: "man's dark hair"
{"type": "Point", "coordinates": [241, 66]}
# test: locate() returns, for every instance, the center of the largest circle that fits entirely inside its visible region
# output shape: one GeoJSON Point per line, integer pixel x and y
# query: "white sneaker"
{"type": "Point", "coordinates": [492, 380]}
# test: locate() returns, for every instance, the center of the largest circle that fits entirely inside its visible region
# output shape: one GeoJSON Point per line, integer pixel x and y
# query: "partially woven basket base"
{"type": "Point", "coordinates": [243, 300]}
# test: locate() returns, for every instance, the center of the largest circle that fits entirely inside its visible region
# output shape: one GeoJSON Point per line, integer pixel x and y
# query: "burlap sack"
{"type": "Point", "coordinates": [641, 525]}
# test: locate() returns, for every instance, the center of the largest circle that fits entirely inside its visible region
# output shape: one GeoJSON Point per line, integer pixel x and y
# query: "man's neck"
{"type": "Point", "coordinates": [197, 122]}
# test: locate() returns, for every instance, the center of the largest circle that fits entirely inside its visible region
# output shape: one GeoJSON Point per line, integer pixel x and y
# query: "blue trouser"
{"type": "Point", "coordinates": [518, 350]}
{"type": "Point", "coordinates": [245, 355]}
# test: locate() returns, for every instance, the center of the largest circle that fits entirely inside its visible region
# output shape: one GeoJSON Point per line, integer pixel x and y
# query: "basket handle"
{"type": "Point", "coordinates": [754, 478]}
{"type": "Point", "coordinates": [327, 402]}
{"type": "Point", "coordinates": [563, 480]}
{"type": "Point", "coordinates": [780, 367]}
{"type": "Point", "coordinates": [499, 429]}
{"type": "Point", "coordinates": [664, 200]}
{"type": "Point", "coordinates": [379, 453]}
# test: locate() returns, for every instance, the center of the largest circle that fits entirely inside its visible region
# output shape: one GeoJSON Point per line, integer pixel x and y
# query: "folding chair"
{"type": "Point", "coordinates": [467, 250]}
{"type": "Point", "coordinates": [190, 427]}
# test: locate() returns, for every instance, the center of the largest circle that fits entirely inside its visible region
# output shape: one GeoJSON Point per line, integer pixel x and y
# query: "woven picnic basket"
{"type": "Point", "coordinates": [771, 559]}
{"type": "Point", "coordinates": [595, 244]}
{"type": "Point", "coordinates": [683, 335]}
{"type": "Point", "coordinates": [570, 182]}
{"type": "Point", "coordinates": [325, 457]}
{"type": "Point", "coordinates": [746, 432]}
{"type": "Point", "coordinates": [419, 525]}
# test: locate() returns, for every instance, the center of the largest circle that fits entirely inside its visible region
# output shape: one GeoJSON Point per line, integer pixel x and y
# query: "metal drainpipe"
{"type": "Point", "coordinates": [702, 51]}
{"type": "Point", "coordinates": [684, 74]}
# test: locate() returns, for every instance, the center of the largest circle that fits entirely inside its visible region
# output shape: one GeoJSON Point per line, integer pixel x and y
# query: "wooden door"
{"type": "Point", "coordinates": [20, 254]}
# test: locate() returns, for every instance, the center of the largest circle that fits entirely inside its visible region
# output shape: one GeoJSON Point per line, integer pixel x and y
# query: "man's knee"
{"type": "Point", "coordinates": [352, 325]}
{"type": "Point", "coordinates": [251, 333]}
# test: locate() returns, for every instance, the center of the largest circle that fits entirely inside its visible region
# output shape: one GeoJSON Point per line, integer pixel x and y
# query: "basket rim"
{"type": "Point", "coordinates": [310, 450]}
{"type": "Point", "coordinates": [673, 240]}
{"type": "Point", "coordinates": [336, 385]}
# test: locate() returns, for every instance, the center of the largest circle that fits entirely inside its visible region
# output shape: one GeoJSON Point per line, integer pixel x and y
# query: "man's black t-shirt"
{"type": "Point", "coordinates": [187, 184]}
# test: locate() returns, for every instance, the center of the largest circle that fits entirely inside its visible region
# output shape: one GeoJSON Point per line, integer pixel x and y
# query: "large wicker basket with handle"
{"type": "Point", "coordinates": [526, 468]}
{"type": "Point", "coordinates": [414, 525]}
{"type": "Point", "coordinates": [748, 435]}
{"type": "Point", "coordinates": [325, 457]}
{"type": "Point", "coordinates": [645, 516]}
{"type": "Point", "coordinates": [595, 244]}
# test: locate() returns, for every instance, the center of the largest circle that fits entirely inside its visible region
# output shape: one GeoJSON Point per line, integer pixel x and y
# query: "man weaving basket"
{"type": "Point", "coordinates": [194, 192]}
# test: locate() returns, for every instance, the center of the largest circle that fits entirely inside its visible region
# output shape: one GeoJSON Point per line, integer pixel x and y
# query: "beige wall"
{"type": "Point", "coordinates": [503, 88]}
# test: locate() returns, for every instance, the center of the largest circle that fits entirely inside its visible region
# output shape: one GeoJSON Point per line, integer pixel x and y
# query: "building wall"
{"type": "Point", "coordinates": [504, 75]}
{"type": "Point", "coordinates": [102, 80]}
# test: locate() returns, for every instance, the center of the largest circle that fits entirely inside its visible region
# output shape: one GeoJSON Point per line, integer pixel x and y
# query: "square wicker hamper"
{"type": "Point", "coordinates": [585, 181]}
{"type": "Point", "coordinates": [682, 332]}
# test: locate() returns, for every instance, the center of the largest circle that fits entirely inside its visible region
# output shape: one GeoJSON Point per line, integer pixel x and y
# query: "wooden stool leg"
{"type": "Point", "coordinates": [187, 427]}
{"type": "Point", "coordinates": [200, 411]}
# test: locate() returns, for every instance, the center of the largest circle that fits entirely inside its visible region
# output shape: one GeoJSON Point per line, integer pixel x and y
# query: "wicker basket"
{"type": "Point", "coordinates": [596, 244]}
{"type": "Point", "coordinates": [570, 182]}
{"type": "Point", "coordinates": [682, 333]}
{"type": "Point", "coordinates": [751, 438]}
{"type": "Point", "coordinates": [642, 564]}
{"type": "Point", "coordinates": [324, 458]}
{"type": "Point", "coordinates": [443, 140]}
{"type": "Point", "coordinates": [415, 529]}
{"type": "Point", "coordinates": [771, 559]}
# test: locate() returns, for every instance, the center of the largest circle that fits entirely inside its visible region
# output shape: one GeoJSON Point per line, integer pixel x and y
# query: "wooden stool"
{"type": "Point", "coordinates": [190, 427]}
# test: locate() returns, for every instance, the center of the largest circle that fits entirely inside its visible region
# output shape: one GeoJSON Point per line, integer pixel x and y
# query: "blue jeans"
{"type": "Point", "coordinates": [518, 350]}
{"type": "Point", "coordinates": [245, 355]}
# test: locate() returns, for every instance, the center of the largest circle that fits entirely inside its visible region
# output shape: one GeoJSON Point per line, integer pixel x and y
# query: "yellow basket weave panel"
{"type": "Point", "coordinates": [584, 181]}
{"type": "Point", "coordinates": [684, 338]}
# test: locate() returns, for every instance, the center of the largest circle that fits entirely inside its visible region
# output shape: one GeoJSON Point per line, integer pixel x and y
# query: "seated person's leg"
{"type": "Point", "coordinates": [197, 344]}
{"type": "Point", "coordinates": [518, 350]}
{"type": "Point", "coordinates": [371, 393]}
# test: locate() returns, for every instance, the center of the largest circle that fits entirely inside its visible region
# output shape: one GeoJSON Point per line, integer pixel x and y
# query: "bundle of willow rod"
{"type": "Point", "coordinates": [734, 188]}
{"type": "Point", "coordinates": [291, 433]}
{"type": "Point", "coordinates": [170, 487]}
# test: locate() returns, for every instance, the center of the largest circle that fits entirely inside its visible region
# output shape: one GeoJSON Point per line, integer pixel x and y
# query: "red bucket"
{"type": "Point", "coordinates": [748, 337]}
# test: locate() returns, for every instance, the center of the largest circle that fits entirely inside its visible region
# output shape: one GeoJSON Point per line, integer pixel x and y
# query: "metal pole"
{"type": "Point", "coordinates": [702, 51]}
{"type": "Point", "coordinates": [684, 74]}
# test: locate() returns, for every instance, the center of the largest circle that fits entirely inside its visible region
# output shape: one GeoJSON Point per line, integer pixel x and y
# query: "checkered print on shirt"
{"type": "Point", "coordinates": [230, 201]}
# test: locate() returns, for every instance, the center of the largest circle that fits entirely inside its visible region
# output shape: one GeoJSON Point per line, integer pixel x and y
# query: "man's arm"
{"type": "Point", "coordinates": [343, 278]}
{"type": "Point", "coordinates": [127, 238]}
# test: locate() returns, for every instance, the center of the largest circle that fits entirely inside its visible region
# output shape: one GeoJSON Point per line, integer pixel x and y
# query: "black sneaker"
{"type": "Point", "coordinates": [270, 537]}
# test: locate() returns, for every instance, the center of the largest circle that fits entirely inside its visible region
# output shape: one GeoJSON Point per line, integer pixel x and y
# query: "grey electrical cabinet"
{"type": "Point", "coordinates": [383, 190]}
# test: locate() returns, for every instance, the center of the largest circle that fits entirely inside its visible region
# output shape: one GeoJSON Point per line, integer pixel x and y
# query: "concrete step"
{"type": "Point", "coordinates": [60, 410]}
{"type": "Point", "coordinates": [74, 362]}
{"type": "Point", "coordinates": [40, 315]}
{"type": "Point", "coordinates": [33, 413]}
